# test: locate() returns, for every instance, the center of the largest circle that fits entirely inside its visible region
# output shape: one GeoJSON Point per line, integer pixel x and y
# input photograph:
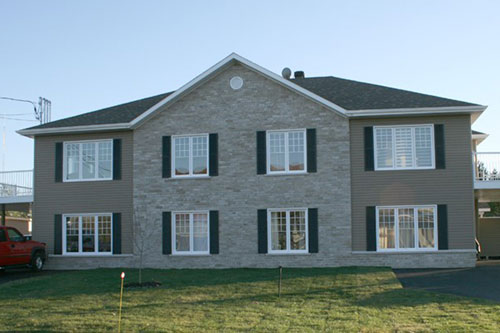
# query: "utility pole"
{"type": "Point", "coordinates": [43, 114]}
{"type": "Point", "coordinates": [42, 110]}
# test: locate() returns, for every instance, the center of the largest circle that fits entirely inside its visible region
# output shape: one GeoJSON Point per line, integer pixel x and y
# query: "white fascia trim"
{"type": "Point", "coordinates": [220, 65]}
{"type": "Point", "coordinates": [416, 111]}
{"type": "Point", "coordinates": [74, 129]}
{"type": "Point", "coordinates": [16, 199]}
{"type": "Point", "coordinates": [479, 138]}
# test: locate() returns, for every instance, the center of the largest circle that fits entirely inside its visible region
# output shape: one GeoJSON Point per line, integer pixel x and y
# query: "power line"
{"type": "Point", "coordinates": [14, 114]}
{"type": "Point", "coordinates": [17, 119]}
{"type": "Point", "coordinates": [19, 100]}
{"type": "Point", "coordinates": [42, 110]}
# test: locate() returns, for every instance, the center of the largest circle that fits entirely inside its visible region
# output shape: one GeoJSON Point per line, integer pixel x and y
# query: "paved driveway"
{"type": "Point", "coordinates": [481, 281]}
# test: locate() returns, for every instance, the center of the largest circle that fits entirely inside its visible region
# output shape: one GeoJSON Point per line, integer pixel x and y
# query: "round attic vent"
{"type": "Point", "coordinates": [236, 82]}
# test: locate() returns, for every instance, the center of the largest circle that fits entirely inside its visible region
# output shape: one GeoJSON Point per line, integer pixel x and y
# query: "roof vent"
{"type": "Point", "coordinates": [286, 73]}
{"type": "Point", "coordinates": [299, 74]}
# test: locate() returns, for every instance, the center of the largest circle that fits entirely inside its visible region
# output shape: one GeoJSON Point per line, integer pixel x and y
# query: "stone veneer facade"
{"type": "Point", "coordinates": [238, 192]}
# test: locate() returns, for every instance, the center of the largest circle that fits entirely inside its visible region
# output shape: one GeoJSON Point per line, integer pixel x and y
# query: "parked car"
{"type": "Point", "coordinates": [17, 251]}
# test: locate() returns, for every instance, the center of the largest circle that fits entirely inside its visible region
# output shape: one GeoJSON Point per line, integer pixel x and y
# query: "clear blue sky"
{"type": "Point", "coordinates": [87, 55]}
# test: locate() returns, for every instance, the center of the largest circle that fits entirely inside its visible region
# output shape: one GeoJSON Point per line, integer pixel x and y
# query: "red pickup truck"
{"type": "Point", "coordinates": [17, 250]}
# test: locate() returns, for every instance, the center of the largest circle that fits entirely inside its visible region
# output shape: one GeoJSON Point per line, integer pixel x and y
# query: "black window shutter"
{"type": "Point", "coordinates": [311, 150]}
{"type": "Point", "coordinates": [442, 219]}
{"type": "Point", "coordinates": [261, 153]}
{"type": "Point", "coordinates": [117, 233]}
{"type": "Point", "coordinates": [117, 159]}
{"type": "Point", "coordinates": [214, 232]}
{"type": "Point", "coordinates": [213, 149]}
{"type": "Point", "coordinates": [369, 151]}
{"type": "Point", "coordinates": [59, 162]}
{"type": "Point", "coordinates": [371, 232]}
{"type": "Point", "coordinates": [439, 146]}
{"type": "Point", "coordinates": [166, 165]}
{"type": "Point", "coordinates": [313, 229]}
{"type": "Point", "coordinates": [167, 232]}
{"type": "Point", "coordinates": [58, 234]}
{"type": "Point", "coordinates": [262, 230]}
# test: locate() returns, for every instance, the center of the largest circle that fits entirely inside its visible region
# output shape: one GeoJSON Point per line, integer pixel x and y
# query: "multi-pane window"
{"type": "Point", "coordinates": [407, 228]}
{"type": "Point", "coordinates": [87, 234]}
{"type": "Point", "coordinates": [88, 160]}
{"type": "Point", "coordinates": [404, 147]}
{"type": "Point", "coordinates": [190, 156]}
{"type": "Point", "coordinates": [190, 233]}
{"type": "Point", "coordinates": [286, 151]}
{"type": "Point", "coordinates": [287, 230]}
{"type": "Point", "coordinates": [104, 233]}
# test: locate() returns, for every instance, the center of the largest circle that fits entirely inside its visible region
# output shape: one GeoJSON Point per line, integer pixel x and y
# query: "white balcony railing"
{"type": "Point", "coordinates": [487, 167]}
{"type": "Point", "coordinates": [16, 183]}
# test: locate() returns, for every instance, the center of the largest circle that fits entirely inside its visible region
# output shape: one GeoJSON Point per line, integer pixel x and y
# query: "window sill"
{"type": "Point", "coordinates": [408, 251]}
{"type": "Point", "coordinates": [406, 169]}
{"type": "Point", "coordinates": [415, 252]}
{"type": "Point", "coordinates": [86, 180]}
{"type": "Point", "coordinates": [190, 254]}
{"type": "Point", "coordinates": [289, 254]}
{"type": "Point", "coordinates": [190, 177]}
{"type": "Point", "coordinates": [287, 174]}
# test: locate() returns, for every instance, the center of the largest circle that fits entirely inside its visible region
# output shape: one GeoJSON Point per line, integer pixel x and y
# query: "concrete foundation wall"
{"type": "Point", "coordinates": [442, 259]}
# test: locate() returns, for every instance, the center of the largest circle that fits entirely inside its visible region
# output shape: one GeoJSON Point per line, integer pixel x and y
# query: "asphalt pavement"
{"type": "Point", "coordinates": [482, 281]}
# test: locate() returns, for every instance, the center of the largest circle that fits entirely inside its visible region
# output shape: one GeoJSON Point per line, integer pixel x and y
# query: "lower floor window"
{"type": "Point", "coordinates": [190, 232]}
{"type": "Point", "coordinates": [87, 233]}
{"type": "Point", "coordinates": [287, 230]}
{"type": "Point", "coordinates": [407, 228]}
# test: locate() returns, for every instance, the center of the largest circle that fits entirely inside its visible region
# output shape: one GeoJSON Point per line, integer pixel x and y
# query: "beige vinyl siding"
{"type": "Point", "coordinates": [488, 235]}
{"type": "Point", "coordinates": [109, 196]}
{"type": "Point", "coordinates": [452, 186]}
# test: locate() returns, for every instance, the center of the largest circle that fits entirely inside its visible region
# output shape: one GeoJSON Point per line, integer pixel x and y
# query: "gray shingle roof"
{"type": "Point", "coordinates": [122, 113]}
{"type": "Point", "coordinates": [354, 95]}
{"type": "Point", "coordinates": [350, 95]}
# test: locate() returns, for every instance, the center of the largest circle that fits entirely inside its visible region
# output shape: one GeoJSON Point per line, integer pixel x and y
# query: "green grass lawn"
{"type": "Point", "coordinates": [330, 299]}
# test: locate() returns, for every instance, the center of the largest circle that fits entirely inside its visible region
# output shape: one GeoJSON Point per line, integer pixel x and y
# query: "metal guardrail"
{"type": "Point", "coordinates": [16, 183]}
{"type": "Point", "coordinates": [487, 166]}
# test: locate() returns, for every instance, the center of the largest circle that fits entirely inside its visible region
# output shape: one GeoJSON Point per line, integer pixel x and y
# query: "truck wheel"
{"type": "Point", "coordinates": [37, 262]}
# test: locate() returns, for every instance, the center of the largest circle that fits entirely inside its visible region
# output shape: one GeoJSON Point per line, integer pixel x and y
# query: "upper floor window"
{"type": "Point", "coordinates": [286, 151]}
{"type": "Point", "coordinates": [404, 147]}
{"type": "Point", "coordinates": [190, 156]}
{"type": "Point", "coordinates": [407, 228]}
{"type": "Point", "coordinates": [88, 160]}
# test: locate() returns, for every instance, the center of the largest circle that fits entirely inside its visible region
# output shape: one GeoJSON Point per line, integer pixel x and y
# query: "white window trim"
{"type": "Point", "coordinates": [172, 157]}
{"type": "Point", "coordinates": [96, 235]}
{"type": "Point", "coordinates": [269, 236]}
{"type": "Point", "coordinates": [191, 233]}
{"type": "Point", "coordinates": [287, 153]}
{"type": "Point", "coordinates": [396, 229]}
{"type": "Point", "coordinates": [414, 167]}
{"type": "Point", "coordinates": [80, 179]}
